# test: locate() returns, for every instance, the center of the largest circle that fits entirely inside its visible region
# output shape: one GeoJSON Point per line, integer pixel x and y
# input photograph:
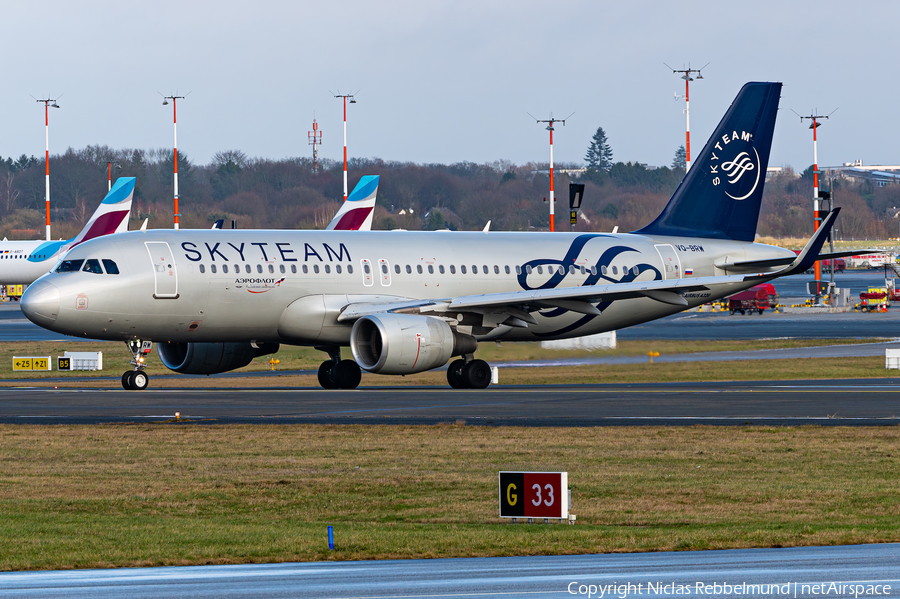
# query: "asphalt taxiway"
{"type": "Point", "coordinates": [807, 572]}
{"type": "Point", "coordinates": [849, 402]}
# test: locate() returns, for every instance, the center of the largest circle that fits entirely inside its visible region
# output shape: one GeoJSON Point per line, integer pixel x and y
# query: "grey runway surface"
{"type": "Point", "coordinates": [683, 574]}
{"type": "Point", "coordinates": [849, 402]}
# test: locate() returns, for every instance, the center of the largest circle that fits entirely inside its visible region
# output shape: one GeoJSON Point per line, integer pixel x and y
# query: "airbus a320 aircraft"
{"type": "Point", "coordinates": [407, 302]}
{"type": "Point", "coordinates": [21, 262]}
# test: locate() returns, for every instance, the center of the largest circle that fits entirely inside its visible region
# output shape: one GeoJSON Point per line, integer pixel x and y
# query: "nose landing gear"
{"type": "Point", "coordinates": [137, 379]}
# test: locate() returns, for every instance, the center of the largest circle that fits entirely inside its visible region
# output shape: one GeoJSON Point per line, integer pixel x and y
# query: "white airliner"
{"type": "Point", "coordinates": [406, 302]}
{"type": "Point", "coordinates": [21, 262]}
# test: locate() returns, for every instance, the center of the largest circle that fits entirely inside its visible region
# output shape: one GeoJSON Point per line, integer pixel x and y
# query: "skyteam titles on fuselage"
{"type": "Point", "coordinates": [264, 251]}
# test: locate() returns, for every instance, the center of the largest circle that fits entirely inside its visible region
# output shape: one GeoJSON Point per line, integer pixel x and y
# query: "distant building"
{"type": "Point", "coordinates": [878, 175]}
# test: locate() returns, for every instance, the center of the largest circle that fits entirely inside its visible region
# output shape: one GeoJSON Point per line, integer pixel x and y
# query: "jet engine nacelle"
{"type": "Point", "coordinates": [405, 343]}
{"type": "Point", "coordinates": [210, 358]}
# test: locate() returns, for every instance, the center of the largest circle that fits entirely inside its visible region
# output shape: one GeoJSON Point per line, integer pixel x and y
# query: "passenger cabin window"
{"type": "Point", "coordinates": [594, 270]}
{"type": "Point", "coordinates": [452, 270]}
{"type": "Point", "coordinates": [327, 269]}
{"type": "Point", "coordinates": [212, 268]}
{"type": "Point", "coordinates": [111, 267]}
{"type": "Point", "coordinates": [70, 266]}
{"type": "Point", "coordinates": [316, 268]}
{"type": "Point", "coordinates": [441, 269]}
{"type": "Point", "coordinates": [247, 268]}
{"type": "Point", "coordinates": [281, 268]}
{"type": "Point", "coordinates": [571, 269]}
{"type": "Point", "coordinates": [474, 269]}
{"type": "Point", "coordinates": [293, 268]}
{"type": "Point", "coordinates": [367, 269]}
{"type": "Point", "coordinates": [337, 268]}
{"type": "Point", "coordinates": [225, 268]}
{"type": "Point", "coordinates": [93, 266]}
{"type": "Point", "coordinates": [408, 269]}
{"type": "Point", "coordinates": [462, 268]}
{"type": "Point", "coordinates": [305, 269]}
{"type": "Point", "coordinates": [430, 269]}
{"type": "Point", "coordinates": [259, 268]}
{"type": "Point", "coordinates": [496, 270]}
{"type": "Point", "coordinates": [528, 269]}
{"type": "Point", "coordinates": [397, 268]}
{"type": "Point", "coordinates": [384, 268]}
{"type": "Point", "coordinates": [518, 269]}
{"type": "Point", "coordinates": [540, 270]}
{"type": "Point", "coordinates": [603, 270]}
{"type": "Point", "coordinates": [615, 270]}
{"type": "Point", "coordinates": [202, 269]}
{"type": "Point", "coordinates": [419, 268]}
{"type": "Point", "coordinates": [272, 268]}
{"type": "Point", "coordinates": [350, 269]}
{"type": "Point", "coordinates": [506, 268]}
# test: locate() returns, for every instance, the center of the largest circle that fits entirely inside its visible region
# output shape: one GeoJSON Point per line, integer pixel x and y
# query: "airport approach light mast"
{"type": "Point", "coordinates": [550, 122]}
{"type": "Point", "coordinates": [48, 102]}
{"type": "Point", "coordinates": [175, 158]}
{"type": "Point", "coordinates": [814, 125]}
{"type": "Point", "coordinates": [352, 101]}
{"type": "Point", "coordinates": [686, 75]}
{"type": "Point", "coordinates": [315, 140]}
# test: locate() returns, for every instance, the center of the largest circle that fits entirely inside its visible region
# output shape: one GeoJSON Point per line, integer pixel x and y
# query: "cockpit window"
{"type": "Point", "coordinates": [110, 266]}
{"type": "Point", "coordinates": [93, 265]}
{"type": "Point", "coordinates": [70, 266]}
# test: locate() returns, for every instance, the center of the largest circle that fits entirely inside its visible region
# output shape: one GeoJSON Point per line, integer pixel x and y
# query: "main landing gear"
{"type": "Point", "coordinates": [137, 379]}
{"type": "Point", "coordinates": [336, 373]}
{"type": "Point", "coordinates": [469, 374]}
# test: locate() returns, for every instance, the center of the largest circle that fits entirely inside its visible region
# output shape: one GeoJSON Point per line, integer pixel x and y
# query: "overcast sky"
{"type": "Point", "coordinates": [444, 81]}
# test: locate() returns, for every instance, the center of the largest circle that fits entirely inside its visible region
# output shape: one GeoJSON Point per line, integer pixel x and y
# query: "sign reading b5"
{"type": "Point", "coordinates": [534, 494]}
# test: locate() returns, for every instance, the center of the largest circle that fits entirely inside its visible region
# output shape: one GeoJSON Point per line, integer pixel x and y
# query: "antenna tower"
{"type": "Point", "coordinates": [315, 140]}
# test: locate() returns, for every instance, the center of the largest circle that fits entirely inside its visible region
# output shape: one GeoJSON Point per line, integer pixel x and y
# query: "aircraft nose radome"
{"type": "Point", "coordinates": [40, 303]}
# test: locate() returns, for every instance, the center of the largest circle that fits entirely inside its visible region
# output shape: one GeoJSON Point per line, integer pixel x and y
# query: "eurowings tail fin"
{"type": "Point", "coordinates": [356, 213]}
{"type": "Point", "coordinates": [722, 192]}
{"type": "Point", "coordinates": [112, 214]}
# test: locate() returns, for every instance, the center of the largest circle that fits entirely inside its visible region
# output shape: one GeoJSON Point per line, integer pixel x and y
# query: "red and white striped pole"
{"type": "Point", "coordinates": [815, 125]}
{"type": "Point", "coordinates": [48, 102]}
{"type": "Point", "coordinates": [175, 157]}
{"type": "Point", "coordinates": [345, 148]}
{"type": "Point", "coordinates": [687, 124]}
{"type": "Point", "coordinates": [47, 162]}
{"type": "Point", "coordinates": [352, 101]}
{"type": "Point", "coordinates": [175, 134]}
{"type": "Point", "coordinates": [552, 197]}
{"type": "Point", "coordinates": [109, 175]}
{"type": "Point", "coordinates": [686, 75]}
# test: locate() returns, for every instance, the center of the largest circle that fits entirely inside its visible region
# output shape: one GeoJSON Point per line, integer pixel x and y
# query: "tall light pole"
{"type": "Point", "coordinates": [48, 102]}
{"type": "Point", "coordinates": [352, 101]}
{"type": "Point", "coordinates": [686, 75]}
{"type": "Point", "coordinates": [815, 124]}
{"type": "Point", "coordinates": [175, 130]}
{"type": "Point", "coordinates": [550, 122]}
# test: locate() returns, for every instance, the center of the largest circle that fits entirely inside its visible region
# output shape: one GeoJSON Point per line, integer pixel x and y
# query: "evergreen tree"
{"type": "Point", "coordinates": [680, 160]}
{"type": "Point", "coordinates": [599, 154]}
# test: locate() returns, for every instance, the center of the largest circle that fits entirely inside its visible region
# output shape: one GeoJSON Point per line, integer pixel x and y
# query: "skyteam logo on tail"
{"type": "Point", "coordinates": [735, 163]}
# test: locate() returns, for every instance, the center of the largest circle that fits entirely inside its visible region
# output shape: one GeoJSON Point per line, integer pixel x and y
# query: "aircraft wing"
{"type": "Point", "coordinates": [516, 306]}
{"type": "Point", "coordinates": [575, 299]}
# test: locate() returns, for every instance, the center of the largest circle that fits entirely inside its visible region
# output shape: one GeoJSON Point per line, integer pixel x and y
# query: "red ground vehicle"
{"type": "Point", "coordinates": [753, 299]}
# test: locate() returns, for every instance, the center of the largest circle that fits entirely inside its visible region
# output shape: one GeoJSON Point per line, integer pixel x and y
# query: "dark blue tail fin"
{"type": "Point", "coordinates": [722, 192]}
